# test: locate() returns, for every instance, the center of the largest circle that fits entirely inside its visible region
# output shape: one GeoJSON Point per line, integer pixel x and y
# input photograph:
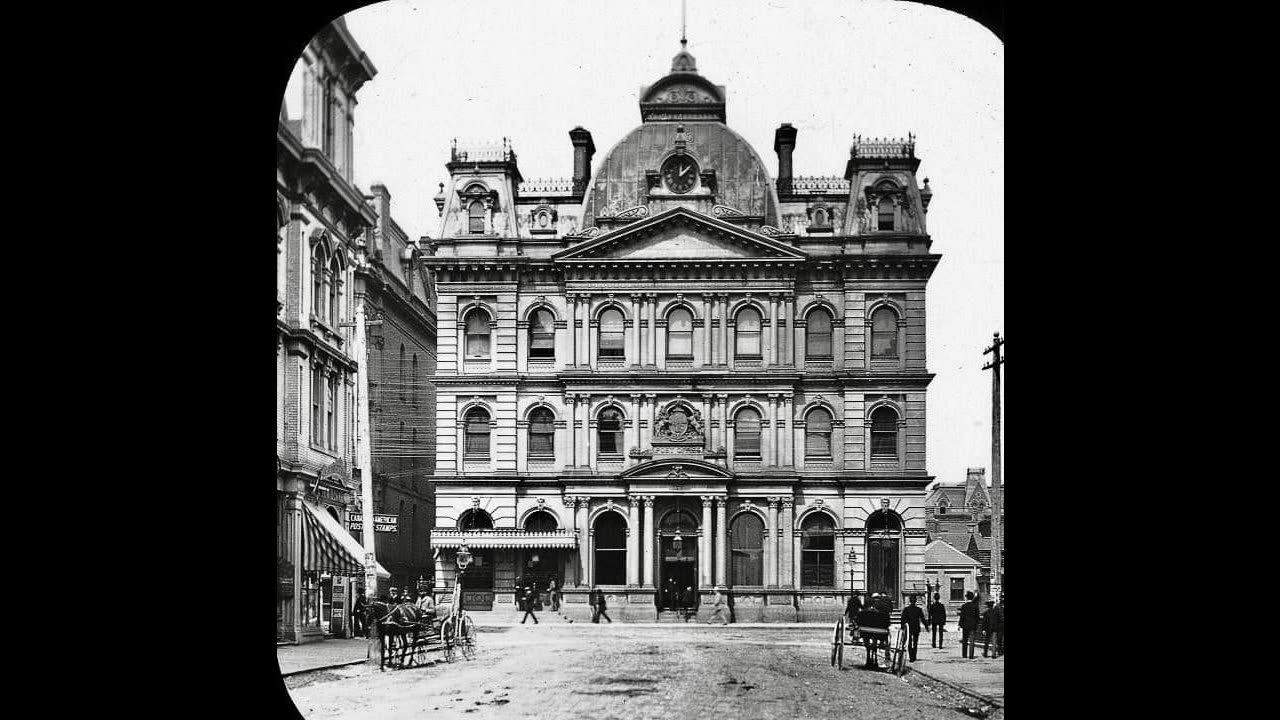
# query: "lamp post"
{"type": "Point", "coordinates": [463, 559]}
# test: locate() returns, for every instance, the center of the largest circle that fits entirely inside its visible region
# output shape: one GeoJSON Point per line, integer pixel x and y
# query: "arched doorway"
{"type": "Point", "coordinates": [884, 553]}
{"type": "Point", "coordinates": [611, 549]}
{"type": "Point", "coordinates": [539, 566]}
{"type": "Point", "coordinates": [477, 585]}
{"type": "Point", "coordinates": [677, 557]}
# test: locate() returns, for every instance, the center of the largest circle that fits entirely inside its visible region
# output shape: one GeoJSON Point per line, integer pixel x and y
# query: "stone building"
{"type": "Point", "coordinates": [401, 336]}
{"type": "Point", "coordinates": [321, 220]}
{"type": "Point", "coordinates": [680, 372]}
{"type": "Point", "coordinates": [960, 515]}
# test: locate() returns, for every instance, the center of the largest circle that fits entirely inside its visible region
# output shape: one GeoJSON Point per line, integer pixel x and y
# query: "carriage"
{"type": "Point", "coordinates": [893, 642]}
{"type": "Point", "coordinates": [405, 629]}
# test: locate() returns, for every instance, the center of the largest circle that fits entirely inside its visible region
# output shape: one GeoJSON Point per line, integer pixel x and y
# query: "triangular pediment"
{"type": "Point", "coordinates": [677, 471]}
{"type": "Point", "coordinates": [681, 235]}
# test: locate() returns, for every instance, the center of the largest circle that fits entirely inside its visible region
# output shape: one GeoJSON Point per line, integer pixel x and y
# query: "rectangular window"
{"type": "Point", "coordinates": [957, 588]}
{"type": "Point", "coordinates": [317, 405]}
{"type": "Point", "coordinates": [542, 345]}
{"type": "Point", "coordinates": [477, 346]}
{"type": "Point", "coordinates": [818, 345]}
{"type": "Point", "coordinates": [330, 411]}
{"type": "Point", "coordinates": [884, 445]}
{"type": "Point", "coordinates": [477, 440]}
{"type": "Point", "coordinates": [612, 344]}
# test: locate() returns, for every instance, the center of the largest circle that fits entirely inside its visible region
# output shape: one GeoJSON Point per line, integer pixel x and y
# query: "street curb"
{"type": "Point", "coordinates": [962, 690]}
{"type": "Point", "coordinates": [323, 667]}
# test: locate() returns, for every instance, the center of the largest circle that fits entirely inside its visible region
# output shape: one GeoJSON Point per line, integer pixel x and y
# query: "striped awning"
{"type": "Point", "coordinates": [327, 547]}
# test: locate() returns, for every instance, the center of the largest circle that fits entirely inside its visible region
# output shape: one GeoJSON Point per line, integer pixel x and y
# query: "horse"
{"type": "Point", "coordinates": [396, 620]}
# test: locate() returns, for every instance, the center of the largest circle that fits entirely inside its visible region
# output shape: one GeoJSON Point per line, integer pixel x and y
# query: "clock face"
{"type": "Point", "coordinates": [680, 174]}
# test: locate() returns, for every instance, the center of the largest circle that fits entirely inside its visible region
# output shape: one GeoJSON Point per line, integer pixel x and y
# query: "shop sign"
{"type": "Point", "coordinates": [381, 523]}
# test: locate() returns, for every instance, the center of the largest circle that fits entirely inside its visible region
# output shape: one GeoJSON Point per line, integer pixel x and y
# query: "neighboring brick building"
{"type": "Point", "coordinates": [680, 371]}
{"type": "Point", "coordinates": [960, 515]}
{"type": "Point", "coordinates": [401, 336]}
{"type": "Point", "coordinates": [320, 219]}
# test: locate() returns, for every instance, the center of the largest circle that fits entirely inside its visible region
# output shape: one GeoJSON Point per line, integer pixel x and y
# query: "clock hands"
{"type": "Point", "coordinates": [684, 171]}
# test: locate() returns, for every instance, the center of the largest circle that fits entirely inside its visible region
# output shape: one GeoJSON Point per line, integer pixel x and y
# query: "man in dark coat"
{"type": "Point", "coordinates": [854, 606]}
{"type": "Point", "coordinates": [528, 606]}
{"type": "Point", "coordinates": [673, 594]}
{"type": "Point", "coordinates": [357, 615]}
{"type": "Point", "coordinates": [874, 626]}
{"type": "Point", "coordinates": [991, 623]}
{"type": "Point", "coordinates": [598, 606]}
{"type": "Point", "coordinates": [518, 594]}
{"type": "Point", "coordinates": [968, 626]}
{"type": "Point", "coordinates": [937, 622]}
{"type": "Point", "coordinates": [687, 603]}
{"type": "Point", "coordinates": [1000, 627]}
{"type": "Point", "coordinates": [912, 617]}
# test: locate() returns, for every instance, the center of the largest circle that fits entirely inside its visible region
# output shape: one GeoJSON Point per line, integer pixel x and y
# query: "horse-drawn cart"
{"type": "Point", "coordinates": [893, 642]}
{"type": "Point", "coordinates": [406, 634]}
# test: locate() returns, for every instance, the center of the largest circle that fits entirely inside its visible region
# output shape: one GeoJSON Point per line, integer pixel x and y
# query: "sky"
{"type": "Point", "coordinates": [832, 68]}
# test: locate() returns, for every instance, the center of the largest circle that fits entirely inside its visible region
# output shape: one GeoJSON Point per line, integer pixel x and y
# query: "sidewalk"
{"type": "Point", "coordinates": [981, 676]}
{"type": "Point", "coordinates": [319, 655]}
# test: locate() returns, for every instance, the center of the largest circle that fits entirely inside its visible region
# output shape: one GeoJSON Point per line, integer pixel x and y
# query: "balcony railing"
{"type": "Point", "coordinates": [482, 152]}
{"type": "Point", "coordinates": [884, 147]}
{"type": "Point", "coordinates": [548, 186]}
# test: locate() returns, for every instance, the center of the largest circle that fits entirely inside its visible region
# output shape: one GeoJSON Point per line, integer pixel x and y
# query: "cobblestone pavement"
{"type": "Point", "coordinates": [603, 671]}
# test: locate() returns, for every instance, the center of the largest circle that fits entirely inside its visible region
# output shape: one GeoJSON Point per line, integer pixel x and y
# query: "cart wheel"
{"type": "Point", "coordinates": [447, 639]}
{"type": "Point", "coordinates": [837, 641]}
{"type": "Point", "coordinates": [468, 638]}
{"type": "Point", "coordinates": [840, 656]}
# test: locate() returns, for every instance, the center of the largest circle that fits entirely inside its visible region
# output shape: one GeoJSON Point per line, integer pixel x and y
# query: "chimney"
{"type": "Point", "coordinates": [583, 150]}
{"type": "Point", "coordinates": [784, 141]}
{"type": "Point", "coordinates": [382, 205]}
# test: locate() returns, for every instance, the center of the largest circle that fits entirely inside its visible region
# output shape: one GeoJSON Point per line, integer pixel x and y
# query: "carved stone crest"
{"type": "Point", "coordinates": [678, 423]}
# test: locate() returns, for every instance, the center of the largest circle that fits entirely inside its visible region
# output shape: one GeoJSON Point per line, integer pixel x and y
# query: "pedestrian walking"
{"type": "Point", "coordinates": [968, 626]}
{"type": "Point", "coordinates": [937, 622]}
{"type": "Point", "coordinates": [517, 595]}
{"type": "Point", "coordinates": [673, 594]}
{"type": "Point", "coordinates": [912, 617]}
{"type": "Point", "coordinates": [720, 607]}
{"type": "Point", "coordinates": [873, 623]}
{"type": "Point", "coordinates": [598, 606]}
{"type": "Point", "coordinates": [554, 590]}
{"type": "Point", "coordinates": [357, 615]}
{"type": "Point", "coordinates": [1000, 627]}
{"type": "Point", "coordinates": [990, 619]}
{"type": "Point", "coordinates": [529, 605]}
{"type": "Point", "coordinates": [688, 602]}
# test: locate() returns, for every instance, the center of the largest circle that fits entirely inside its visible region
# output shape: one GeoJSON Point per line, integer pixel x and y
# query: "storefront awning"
{"type": "Point", "coordinates": [504, 539]}
{"type": "Point", "coordinates": [327, 547]}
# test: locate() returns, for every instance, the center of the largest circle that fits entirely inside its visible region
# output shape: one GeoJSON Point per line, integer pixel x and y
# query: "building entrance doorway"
{"type": "Point", "coordinates": [678, 572]}
{"type": "Point", "coordinates": [884, 547]}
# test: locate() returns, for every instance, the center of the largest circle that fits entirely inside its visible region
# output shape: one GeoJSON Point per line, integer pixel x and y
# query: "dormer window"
{"type": "Point", "coordinates": [885, 214]}
{"type": "Point", "coordinates": [475, 218]}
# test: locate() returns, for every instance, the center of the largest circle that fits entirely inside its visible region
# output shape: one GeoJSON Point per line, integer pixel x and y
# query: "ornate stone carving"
{"type": "Point", "coordinates": [770, 231]}
{"type": "Point", "coordinates": [638, 211]}
{"type": "Point", "coordinates": [679, 423]}
{"type": "Point", "coordinates": [788, 503]}
{"type": "Point", "coordinates": [706, 501]}
{"type": "Point", "coordinates": [723, 211]}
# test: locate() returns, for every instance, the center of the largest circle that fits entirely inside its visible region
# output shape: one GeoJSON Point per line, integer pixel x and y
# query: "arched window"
{"type": "Point", "coordinates": [885, 214]}
{"type": "Point", "coordinates": [330, 411]}
{"type": "Point", "coordinates": [820, 218]}
{"type": "Point", "coordinates": [542, 433]}
{"type": "Point", "coordinates": [335, 278]}
{"type": "Point", "coordinates": [477, 429]}
{"type": "Point", "coordinates": [746, 434]}
{"type": "Point", "coordinates": [680, 334]}
{"type": "Point", "coordinates": [984, 528]}
{"type": "Point", "coordinates": [817, 434]}
{"type": "Point", "coordinates": [818, 551]}
{"type": "Point", "coordinates": [884, 434]}
{"type": "Point", "coordinates": [542, 334]}
{"type": "Point", "coordinates": [942, 506]}
{"type": "Point", "coordinates": [609, 431]}
{"type": "Point", "coordinates": [611, 550]}
{"type": "Point", "coordinates": [746, 550]}
{"type": "Point", "coordinates": [884, 333]}
{"type": "Point", "coordinates": [475, 519]}
{"type": "Point", "coordinates": [317, 282]}
{"type": "Point", "coordinates": [817, 335]}
{"type": "Point", "coordinates": [475, 217]}
{"type": "Point", "coordinates": [478, 334]}
{"type": "Point", "coordinates": [317, 406]}
{"type": "Point", "coordinates": [612, 340]}
{"type": "Point", "coordinates": [747, 333]}
{"type": "Point", "coordinates": [541, 521]}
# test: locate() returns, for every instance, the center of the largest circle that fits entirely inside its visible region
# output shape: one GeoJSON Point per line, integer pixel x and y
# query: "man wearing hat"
{"type": "Point", "coordinates": [992, 626]}
{"type": "Point", "coordinates": [912, 617]}
{"type": "Point", "coordinates": [937, 621]}
{"type": "Point", "coordinates": [854, 606]}
{"type": "Point", "coordinates": [873, 623]}
{"type": "Point", "coordinates": [968, 626]}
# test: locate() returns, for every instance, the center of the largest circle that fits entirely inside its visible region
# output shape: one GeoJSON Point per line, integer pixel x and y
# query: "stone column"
{"type": "Point", "coordinates": [635, 419]}
{"type": "Point", "coordinates": [771, 546]}
{"type": "Point", "coordinates": [787, 454]}
{"type": "Point", "coordinates": [722, 543]}
{"type": "Point", "coordinates": [704, 544]}
{"type": "Point", "coordinates": [789, 335]}
{"type": "Point", "coordinates": [636, 359]}
{"type": "Point", "coordinates": [775, 451]}
{"type": "Point", "coordinates": [573, 329]}
{"type": "Point", "coordinates": [571, 401]}
{"type": "Point", "coordinates": [633, 541]}
{"type": "Point", "coordinates": [653, 329]}
{"type": "Point", "coordinates": [786, 549]}
{"type": "Point", "coordinates": [589, 460]}
{"type": "Point", "coordinates": [592, 327]}
{"type": "Point", "coordinates": [584, 540]}
{"type": "Point", "coordinates": [647, 548]}
{"type": "Point", "coordinates": [772, 336]}
{"type": "Point", "coordinates": [653, 415]}
{"type": "Point", "coordinates": [723, 358]}
{"type": "Point", "coordinates": [707, 327]}
{"type": "Point", "coordinates": [797, 345]}
{"type": "Point", "coordinates": [723, 434]}
{"type": "Point", "coordinates": [707, 400]}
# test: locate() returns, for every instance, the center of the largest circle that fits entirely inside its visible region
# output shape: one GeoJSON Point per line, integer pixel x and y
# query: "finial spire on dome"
{"type": "Point", "coordinates": [683, 61]}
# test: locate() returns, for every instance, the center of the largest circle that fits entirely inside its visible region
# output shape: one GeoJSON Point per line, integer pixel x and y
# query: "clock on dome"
{"type": "Point", "coordinates": [680, 173]}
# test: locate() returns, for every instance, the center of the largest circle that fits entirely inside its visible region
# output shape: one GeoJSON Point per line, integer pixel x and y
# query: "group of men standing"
{"type": "Point", "coordinates": [873, 624]}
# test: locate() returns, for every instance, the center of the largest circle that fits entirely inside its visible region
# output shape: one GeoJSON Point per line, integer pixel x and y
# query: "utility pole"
{"type": "Point", "coordinates": [360, 351]}
{"type": "Point", "coordinates": [997, 482]}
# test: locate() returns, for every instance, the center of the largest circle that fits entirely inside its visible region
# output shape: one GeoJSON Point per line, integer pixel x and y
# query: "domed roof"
{"type": "Point", "coordinates": [741, 177]}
